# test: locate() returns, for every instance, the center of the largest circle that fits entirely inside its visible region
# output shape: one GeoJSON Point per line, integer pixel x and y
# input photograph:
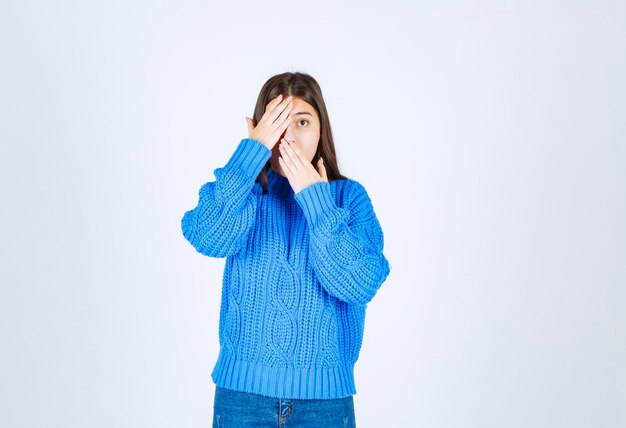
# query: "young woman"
{"type": "Point", "coordinates": [303, 251]}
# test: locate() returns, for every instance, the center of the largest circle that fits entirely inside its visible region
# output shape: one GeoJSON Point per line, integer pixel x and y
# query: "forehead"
{"type": "Point", "coordinates": [302, 108]}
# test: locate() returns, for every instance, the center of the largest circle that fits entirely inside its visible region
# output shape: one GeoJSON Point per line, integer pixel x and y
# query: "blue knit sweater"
{"type": "Point", "coordinates": [300, 269]}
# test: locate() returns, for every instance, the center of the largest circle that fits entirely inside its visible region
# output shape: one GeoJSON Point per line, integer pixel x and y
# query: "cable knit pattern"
{"type": "Point", "coordinates": [300, 269]}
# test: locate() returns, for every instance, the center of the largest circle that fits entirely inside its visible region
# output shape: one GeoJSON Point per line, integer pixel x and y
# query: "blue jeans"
{"type": "Point", "coordinates": [235, 409]}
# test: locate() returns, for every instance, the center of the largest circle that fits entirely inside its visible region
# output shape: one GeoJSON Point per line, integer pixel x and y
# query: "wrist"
{"type": "Point", "coordinates": [262, 141]}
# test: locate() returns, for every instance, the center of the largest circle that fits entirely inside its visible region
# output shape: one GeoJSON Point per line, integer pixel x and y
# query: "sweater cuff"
{"type": "Point", "coordinates": [249, 157]}
{"type": "Point", "coordinates": [315, 200]}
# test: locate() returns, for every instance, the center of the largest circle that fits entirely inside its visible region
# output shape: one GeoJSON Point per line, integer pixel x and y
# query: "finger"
{"type": "Point", "coordinates": [287, 157]}
{"type": "Point", "coordinates": [322, 169]}
{"type": "Point", "coordinates": [285, 168]}
{"type": "Point", "coordinates": [274, 102]}
{"type": "Point", "coordinates": [294, 152]}
{"type": "Point", "coordinates": [276, 111]}
{"type": "Point", "coordinates": [286, 113]}
{"type": "Point", "coordinates": [281, 128]}
{"type": "Point", "coordinates": [296, 157]}
{"type": "Point", "coordinates": [285, 162]}
{"type": "Point", "coordinates": [271, 106]}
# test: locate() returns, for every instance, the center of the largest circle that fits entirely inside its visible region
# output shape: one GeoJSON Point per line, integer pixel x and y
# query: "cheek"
{"type": "Point", "coordinates": [310, 143]}
{"type": "Point", "coordinates": [312, 138]}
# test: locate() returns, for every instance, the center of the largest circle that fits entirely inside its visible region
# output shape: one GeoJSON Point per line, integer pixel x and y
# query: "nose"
{"type": "Point", "coordinates": [289, 133]}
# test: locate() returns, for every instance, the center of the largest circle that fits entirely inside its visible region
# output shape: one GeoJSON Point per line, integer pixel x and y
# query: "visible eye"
{"type": "Point", "coordinates": [303, 120]}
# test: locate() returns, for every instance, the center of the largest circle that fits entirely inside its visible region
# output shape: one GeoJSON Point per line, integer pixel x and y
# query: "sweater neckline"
{"type": "Point", "coordinates": [279, 184]}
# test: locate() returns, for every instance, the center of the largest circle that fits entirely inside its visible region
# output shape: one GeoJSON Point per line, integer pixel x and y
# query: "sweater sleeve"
{"type": "Point", "coordinates": [219, 225]}
{"type": "Point", "coordinates": [346, 242]}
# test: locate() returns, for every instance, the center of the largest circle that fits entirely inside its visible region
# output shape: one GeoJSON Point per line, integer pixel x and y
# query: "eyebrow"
{"type": "Point", "coordinates": [303, 112]}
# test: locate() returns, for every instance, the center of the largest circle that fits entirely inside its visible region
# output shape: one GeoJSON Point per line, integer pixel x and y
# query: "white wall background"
{"type": "Point", "coordinates": [491, 136]}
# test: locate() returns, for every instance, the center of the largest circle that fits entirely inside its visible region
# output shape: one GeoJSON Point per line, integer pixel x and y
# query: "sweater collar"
{"type": "Point", "coordinates": [278, 184]}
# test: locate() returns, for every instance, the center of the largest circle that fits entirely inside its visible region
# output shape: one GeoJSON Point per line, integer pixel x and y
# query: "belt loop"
{"type": "Point", "coordinates": [285, 408]}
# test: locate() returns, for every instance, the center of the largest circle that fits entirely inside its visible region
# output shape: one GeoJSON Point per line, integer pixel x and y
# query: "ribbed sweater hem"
{"type": "Point", "coordinates": [315, 199]}
{"type": "Point", "coordinates": [284, 382]}
{"type": "Point", "coordinates": [249, 156]}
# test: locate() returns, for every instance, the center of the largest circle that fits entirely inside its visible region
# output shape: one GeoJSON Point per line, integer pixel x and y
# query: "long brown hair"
{"type": "Point", "coordinates": [303, 86]}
